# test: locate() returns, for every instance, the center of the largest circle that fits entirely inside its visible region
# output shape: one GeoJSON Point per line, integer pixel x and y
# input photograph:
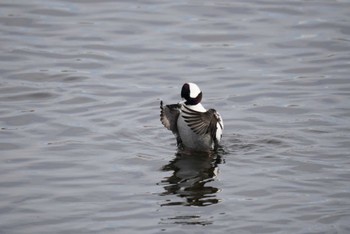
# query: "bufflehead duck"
{"type": "Point", "coordinates": [194, 127]}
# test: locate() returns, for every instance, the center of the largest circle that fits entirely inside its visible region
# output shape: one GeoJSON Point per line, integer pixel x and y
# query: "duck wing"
{"type": "Point", "coordinates": [169, 115]}
{"type": "Point", "coordinates": [202, 123]}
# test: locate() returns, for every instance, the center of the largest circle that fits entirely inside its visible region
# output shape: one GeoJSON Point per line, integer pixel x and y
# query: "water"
{"type": "Point", "coordinates": [82, 148]}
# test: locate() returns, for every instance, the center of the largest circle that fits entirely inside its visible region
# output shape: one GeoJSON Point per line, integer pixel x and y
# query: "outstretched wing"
{"type": "Point", "coordinates": [202, 123]}
{"type": "Point", "coordinates": [169, 115]}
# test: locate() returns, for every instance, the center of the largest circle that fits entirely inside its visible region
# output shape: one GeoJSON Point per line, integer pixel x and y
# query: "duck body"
{"type": "Point", "coordinates": [189, 138]}
{"type": "Point", "coordinates": [194, 127]}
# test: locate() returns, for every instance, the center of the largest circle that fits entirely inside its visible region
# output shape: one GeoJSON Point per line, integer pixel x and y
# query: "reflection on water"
{"type": "Point", "coordinates": [188, 220]}
{"type": "Point", "coordinates": [192, 173]}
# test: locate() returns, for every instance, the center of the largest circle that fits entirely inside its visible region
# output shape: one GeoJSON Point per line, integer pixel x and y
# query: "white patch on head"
{"type": "Point", "coordinates": [194, 90]}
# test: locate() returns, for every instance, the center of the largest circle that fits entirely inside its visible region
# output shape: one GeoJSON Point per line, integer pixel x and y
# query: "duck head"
{"type": "Point", "coordinates": [191, 93]}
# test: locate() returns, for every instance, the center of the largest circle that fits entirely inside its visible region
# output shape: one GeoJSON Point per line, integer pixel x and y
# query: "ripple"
{"type": "Point", "coordinates": [23, 120]}
{"type": "Point", "coordinates": [279, 110]}
{"type": "Point", "coordinates": [28, 97]}
{"type": "Point", "coordinates": [9, 146]}
{"type": "Point", "coordinates": [52, 12]}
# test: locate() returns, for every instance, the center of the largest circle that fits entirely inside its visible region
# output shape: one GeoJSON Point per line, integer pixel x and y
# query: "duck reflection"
{"type": "Point", "coordinates": [192, 173]}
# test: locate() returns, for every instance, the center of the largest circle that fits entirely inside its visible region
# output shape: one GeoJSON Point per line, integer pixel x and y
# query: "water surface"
{"type": "Point", "coordinates": [82, 149]}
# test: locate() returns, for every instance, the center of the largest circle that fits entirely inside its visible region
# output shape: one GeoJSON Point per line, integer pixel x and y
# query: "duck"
{"type": "Point", "coordinates": [194, 127]}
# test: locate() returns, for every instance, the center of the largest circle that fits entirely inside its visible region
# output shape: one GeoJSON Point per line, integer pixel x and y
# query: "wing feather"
{"type": "Point", "coordinates": [202, 122]}
{"type": "Point", "coordinates": [169, 115]}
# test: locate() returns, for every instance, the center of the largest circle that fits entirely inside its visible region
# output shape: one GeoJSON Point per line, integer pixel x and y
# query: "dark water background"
{"type": "Point", "coordinates": [81, 146]}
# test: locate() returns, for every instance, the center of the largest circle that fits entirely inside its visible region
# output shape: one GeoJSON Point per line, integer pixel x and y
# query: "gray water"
{"type": "Point", "coordinates": [82, 149]}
